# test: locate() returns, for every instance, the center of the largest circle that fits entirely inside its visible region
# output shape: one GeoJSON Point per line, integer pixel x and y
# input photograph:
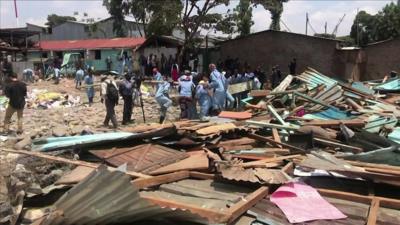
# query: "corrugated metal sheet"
{"type": "Point", "coordinates": [329, 114]}
{"type": "Point", "coordinates": [257, 175]}
{"type": "Point", "coordinates": [142, 158]}
{"type": "Point", "coordinates": [328, 96]}
{"type": "Point", "coordinates": [106, 197]}
{"type": "Point", "coordinates": [90, 44]}
{"type": "Point", "coordinates": [313, 78]}
{"type": "Point", "coordinates": [375, 123]}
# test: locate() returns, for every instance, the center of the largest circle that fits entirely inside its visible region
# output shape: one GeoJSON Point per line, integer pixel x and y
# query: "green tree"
{"type": "Point", "coordinates": [161, 17]}
{"type": "Point", "coordinates": [363, 28]}
{"type": "Point", "coordinates": [115, 8]}
{"type": "Point", "coordinates": [372, 28]}
{"type": "Point", "coordinates": [243, 17]}
{"type": "Point", "coordinates": [387, 24]}
{"type": "Point", "coordinates": [275, 7]}
{"type": "Point", "coordinates": [54, 20]}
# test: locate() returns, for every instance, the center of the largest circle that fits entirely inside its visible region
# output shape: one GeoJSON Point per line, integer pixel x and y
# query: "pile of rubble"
{"type": "Point", "coordinates": [313, 151]}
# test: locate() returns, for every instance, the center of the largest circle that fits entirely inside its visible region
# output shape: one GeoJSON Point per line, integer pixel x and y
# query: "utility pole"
{"type": "Point", "coordinates": [306, 23]}
{"type": "Point", "coordinates": [326, 26]}
{"type": "Point", "coordinates": [358, 29]}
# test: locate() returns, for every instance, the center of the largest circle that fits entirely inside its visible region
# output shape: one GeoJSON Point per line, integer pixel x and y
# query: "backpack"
{"type": "Point", "coordinates": [112, 92]}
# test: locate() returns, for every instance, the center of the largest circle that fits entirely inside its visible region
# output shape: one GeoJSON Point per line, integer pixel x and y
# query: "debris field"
{"type": "Point", "coordinates": [312, 151]}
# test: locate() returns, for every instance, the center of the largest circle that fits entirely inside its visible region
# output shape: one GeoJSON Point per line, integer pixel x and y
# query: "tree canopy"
{"type": "Point", "coordinates": [243, 14]}
{"type": "Point", "coordinates": [275, 7]}
{"type": "Point", "coordinates": [369, 28]}
{"type": "Point", "coordinates": [54, 20]}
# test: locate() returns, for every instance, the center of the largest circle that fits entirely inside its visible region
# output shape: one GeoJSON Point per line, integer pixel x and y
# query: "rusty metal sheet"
{"type": "Point", "coordinates": [268, 213]}
{"type": "Point", "coordinates": [143, 158]}
{"type": "Point", "coordinates": [106, 197]}
{"type": "Point", "coordinates": [196, 161]}
{"type": "Point", "coordinates": [257, 175]}
{"type": "Point", "coordinates": [235, 115]}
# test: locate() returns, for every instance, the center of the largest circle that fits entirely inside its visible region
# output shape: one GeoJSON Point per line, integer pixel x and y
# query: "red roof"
{"type": "Point", "coordinates": [90, 44]}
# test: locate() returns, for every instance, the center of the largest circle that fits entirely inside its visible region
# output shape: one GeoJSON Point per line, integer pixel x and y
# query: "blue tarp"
{"type": "Point", "coordinates": [55, 143]}
{"type": "Point", "coordinates": [361, 87]}
{"type": "Point", "coordinates": [329, 114]}
{"type": "Point", "coordinates": [393, 85]}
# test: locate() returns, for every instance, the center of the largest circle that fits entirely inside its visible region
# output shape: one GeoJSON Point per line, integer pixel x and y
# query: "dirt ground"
{"type": "Point", "coordinates": [18, 172]}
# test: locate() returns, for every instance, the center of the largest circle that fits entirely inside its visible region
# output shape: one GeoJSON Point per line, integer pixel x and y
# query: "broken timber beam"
{"type": "Point", "coordinates": [70, 161]}
{"type": "Point", "coordinates": [269, 140]}
{"type": "Point", "coordinates": [335, 123]}
{"type": "Point", "coordinates": [373, 212]}
{"type": "Point", "coordinates": [161, 179]}
{"type": "Point", "coordinates": [245, 204]}
{"type": "Point", "coordinates": [384, 202]}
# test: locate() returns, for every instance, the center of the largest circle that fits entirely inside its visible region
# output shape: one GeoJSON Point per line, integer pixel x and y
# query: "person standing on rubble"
{"type": "Point", "coordinates": [162, 98]}
{"type": "Point", "coordinates": [203, 96]}
{"type": "Point", "coordinates": [16, 91]}
{"type": "Point", "coordinates": [260, 76]}
{"type": "Point", "coordinates": [89, 81]}
{"type": "Point", "coordinates": [157, 77]}
{"type": "Point", "coordinates": [109, 95]}
{"type": "Point", "coordinates": [79, 77]}
{"type": "Point", "coordinates": [126, 91]}
{"type": "Point", "coordinates": [57, 75]}
{"type": "Point", "coordinates": [28, 75]}
{"type": "Point", "coordinates": [186, 89]}
{"type": "Point", "coordinates": [109, 63]}
{"type": "Point", "coordinates": [275, 77]}
{"type": "Point", "coordinates": [292, 67]}
{"type": "Point", "coordinates": [218, 84]}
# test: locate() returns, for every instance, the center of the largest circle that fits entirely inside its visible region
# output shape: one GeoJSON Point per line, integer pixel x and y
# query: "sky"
{"type": "Point", "coordinates": [294, 15]}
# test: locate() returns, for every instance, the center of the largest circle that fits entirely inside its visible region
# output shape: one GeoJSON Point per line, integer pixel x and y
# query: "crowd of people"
{"type": "Point", "coordinates": [208, 92]}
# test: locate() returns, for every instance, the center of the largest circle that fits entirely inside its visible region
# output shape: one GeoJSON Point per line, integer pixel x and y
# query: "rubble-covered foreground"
{"type": "Point", "coordinates": [311, 151]}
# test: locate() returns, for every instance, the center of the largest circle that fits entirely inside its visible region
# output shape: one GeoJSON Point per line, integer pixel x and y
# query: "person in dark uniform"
{"type": "Point", "coordinates": [260, 76]}
{"type": "Point", "coordinates": [292, 66]}
{"type": "Point", "coordinates": [15, 90]}
{"type": "Point", "coordinates": [126, 91]}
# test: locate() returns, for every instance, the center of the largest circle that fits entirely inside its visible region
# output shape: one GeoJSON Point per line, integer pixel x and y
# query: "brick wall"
{"type": "Point", "coordinates": [271, 48]}
{"type": "Point", "coordinates": [382, 58]}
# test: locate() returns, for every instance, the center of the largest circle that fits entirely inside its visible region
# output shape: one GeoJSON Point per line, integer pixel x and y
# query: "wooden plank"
{"type": "Point", "coordinates": [272, 125]}
{"type": "Point", "coordinates": [235, 115]}
{"type": "Point", "coordinates": [216, 129]}
{"type": "Point", "coordinates": [203, 176]}
{"type": "Point", "coordinates": [237, 147]}
{"type": "Point", "coordinates": [211, 215]}
{"type": "Point", "coordinates": [384, 202]}
{"type": "Point", "coordinates": [269, 140]}
{"type": "Point", "coordinates": [374, 165]}
{"type": "Point", "coordinates": [240, 87]}
{"type": "Point", "coordinates": [335, 123]}
{"type": "Point", "coordinates": [276, 137]}
{"type": "Point", "coordinates": [373, 212]}
{"type": "Point", "coordinates": [269, 160]}
{"type": "Point", "coordinates": [75, 176]}
{"type": "Point", "coordinates": [245, 204]}
{"type": "Point", "coordinates": [69, 161]}
{"type": "Point", "coordinates": [288, 168]}
{"type": "Point", "coordinates": [259, 93]}
{"type": "Point", "coordinates": [142, 156]}
{"type": "Point", "coordinates": [340, 145]}
{"type": "Point", "coordinates": [154, 181]}
{"type": "Point", "coordinates": [240, 141]}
